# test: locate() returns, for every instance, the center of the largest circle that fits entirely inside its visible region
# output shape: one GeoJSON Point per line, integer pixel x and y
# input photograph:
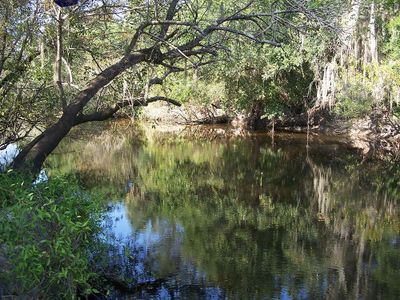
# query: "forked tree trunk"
{"type": "Point", "coordinates": [33, 155]}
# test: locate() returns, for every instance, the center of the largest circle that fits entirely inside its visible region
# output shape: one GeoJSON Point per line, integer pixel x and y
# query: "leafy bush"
{"type": "Point", "coordinates": [354, 100]}
{"type": "Point", "coordinates": [48, 233]}
{"type": "Point", "coordinates": [348, 108]}
{"type": "Point", "coordinates": [195, 91]}
{"type": "Point", "coordinates": [396, 111]}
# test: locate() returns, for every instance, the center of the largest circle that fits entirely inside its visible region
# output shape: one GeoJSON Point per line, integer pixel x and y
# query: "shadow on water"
{"type": "Point", "coordinates": [206, 214]}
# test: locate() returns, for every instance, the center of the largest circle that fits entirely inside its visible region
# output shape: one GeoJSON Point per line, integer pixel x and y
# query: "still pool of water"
{"type": "Point", "coordinates": [205, 214]}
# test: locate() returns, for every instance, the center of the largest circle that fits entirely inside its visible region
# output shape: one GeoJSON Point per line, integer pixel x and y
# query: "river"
{"type": "Point", "coordinates": [205, 213]}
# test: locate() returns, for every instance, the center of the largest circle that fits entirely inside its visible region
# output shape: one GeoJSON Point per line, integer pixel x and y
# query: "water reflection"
{"type": "Point", "coordinates": [218, 216]}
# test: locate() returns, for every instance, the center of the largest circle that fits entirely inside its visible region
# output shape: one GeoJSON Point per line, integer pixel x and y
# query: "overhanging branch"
{"type": "Point", "coordinates": [109, 112]}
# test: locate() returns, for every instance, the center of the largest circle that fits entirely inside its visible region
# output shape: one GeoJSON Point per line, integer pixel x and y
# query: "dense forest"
{"type": "Point", "coordinates": [310, 66]}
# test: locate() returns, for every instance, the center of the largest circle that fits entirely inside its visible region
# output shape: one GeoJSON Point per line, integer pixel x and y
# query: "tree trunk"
{"type": "Point", "coordinates": [57, 76]}
{"type": "Point", "coordinates": [373, 43]}
{"type": "Point", "coordinates": [254, 120]}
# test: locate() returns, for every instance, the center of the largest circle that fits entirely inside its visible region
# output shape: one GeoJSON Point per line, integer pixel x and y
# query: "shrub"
{"type": "Point", "coordinates": [354, 100]}
{"type": "Point", "coordinates": [48, 233]}
{"type": "Point", "coordinates": [349, 108]}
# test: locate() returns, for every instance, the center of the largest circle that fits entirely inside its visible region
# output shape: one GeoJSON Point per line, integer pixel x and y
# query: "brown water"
{"type": "Point", "coordinates": [206, 214]}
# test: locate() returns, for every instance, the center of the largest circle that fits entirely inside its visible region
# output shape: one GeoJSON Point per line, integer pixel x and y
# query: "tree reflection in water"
{"type": "Point", "coordinates": [220, 216]}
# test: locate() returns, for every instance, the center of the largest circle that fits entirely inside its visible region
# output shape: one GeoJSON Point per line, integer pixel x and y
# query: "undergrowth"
{"type": "Point", "coordinates": [49, 233]}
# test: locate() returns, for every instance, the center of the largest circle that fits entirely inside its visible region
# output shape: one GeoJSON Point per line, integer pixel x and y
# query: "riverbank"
{"type": "Point", "coordinates": [377, 135]}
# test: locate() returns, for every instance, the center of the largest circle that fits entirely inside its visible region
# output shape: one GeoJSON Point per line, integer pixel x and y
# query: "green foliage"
{"type": "Point", "coordinates": [275, 79]}
{"type": "Point", "coordinates": [363, 85]}
{"type": "Point", "coordinates": [396, 112]}
{"type": "Point", "coordinates": [392, 45]}
{"type": "Point", "coordinates": [47, 234]}
{"type": "Point", "coordinates": [349, 108]}
{"type": "Point", "coordinates": [357, 94]}
{"type": "Point", "coordinates": [354, 100]}
{"type": "Point", "coordinates": [195, 91]}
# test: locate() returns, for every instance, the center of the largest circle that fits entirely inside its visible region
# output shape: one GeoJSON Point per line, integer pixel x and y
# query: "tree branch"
{"type": "Point", "coordinates": [109, 112]}
{"type": "Point", "coordinates": [170, 15]}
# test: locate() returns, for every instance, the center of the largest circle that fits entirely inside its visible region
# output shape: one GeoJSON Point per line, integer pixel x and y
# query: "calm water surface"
{"type": "Point", "coordinates": [205, 214]}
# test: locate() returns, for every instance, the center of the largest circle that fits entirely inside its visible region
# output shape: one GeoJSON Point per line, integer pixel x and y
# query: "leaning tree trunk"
{"type": "Point", "coordinates": [32, 156]}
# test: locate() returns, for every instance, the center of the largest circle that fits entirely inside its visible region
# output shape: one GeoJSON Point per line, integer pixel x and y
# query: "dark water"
{"type": "Point", "coordinates": [204, 214]}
